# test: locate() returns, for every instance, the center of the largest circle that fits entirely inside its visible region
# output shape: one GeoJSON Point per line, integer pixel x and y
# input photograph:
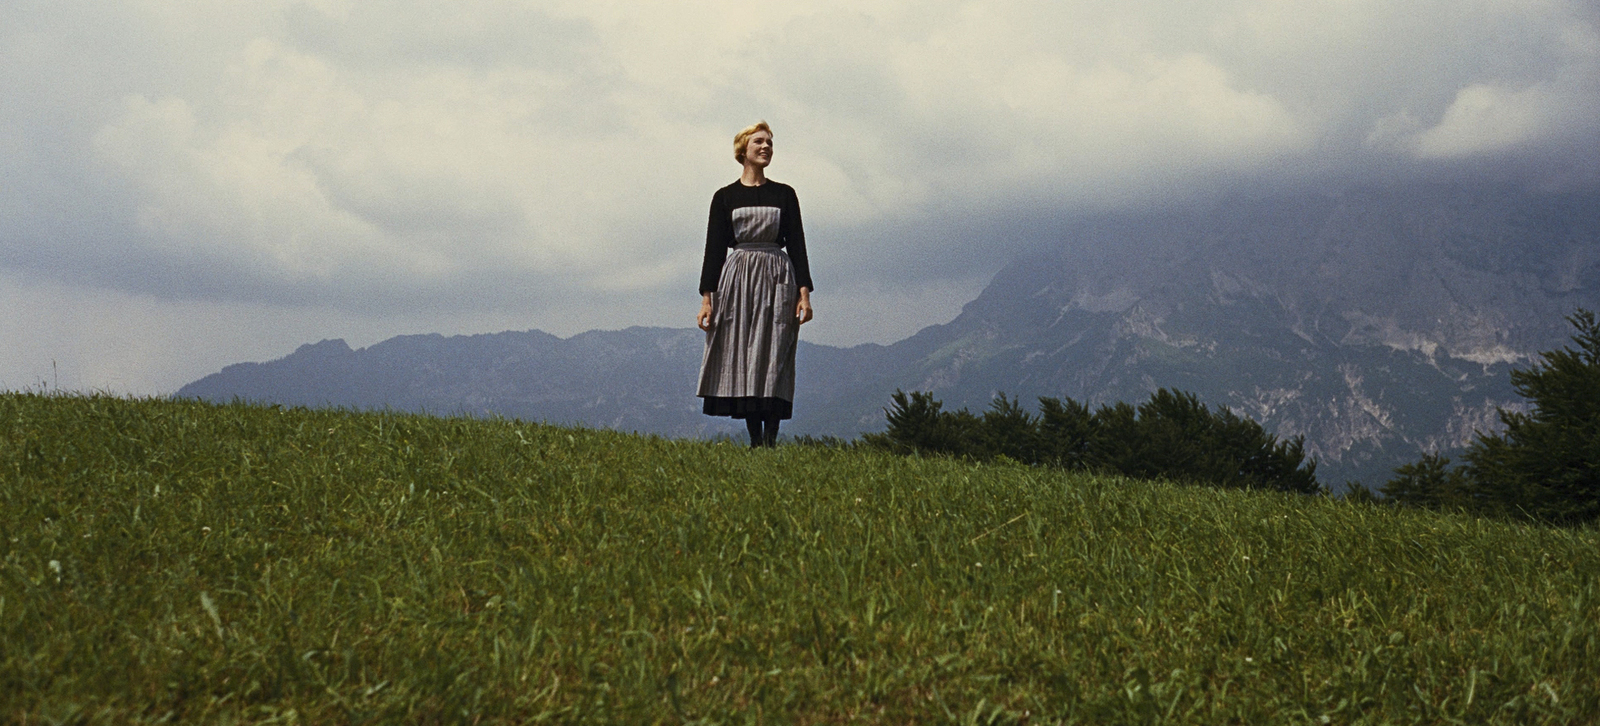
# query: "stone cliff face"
{"type": "Point", "coordinates": [1377, 324]}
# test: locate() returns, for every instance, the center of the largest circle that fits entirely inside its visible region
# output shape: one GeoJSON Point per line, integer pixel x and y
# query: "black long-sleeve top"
{"type": "Point", "coordinates": [766, 213]}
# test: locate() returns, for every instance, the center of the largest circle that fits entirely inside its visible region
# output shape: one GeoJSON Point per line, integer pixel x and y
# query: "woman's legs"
{"type": "Point", "coordinates": [763, 428]}
{"type": "Point", "coordinates": [769, 434]}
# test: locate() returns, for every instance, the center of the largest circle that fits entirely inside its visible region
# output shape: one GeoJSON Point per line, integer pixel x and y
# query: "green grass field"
{"type": "Point", "coordinates": [179, 561]}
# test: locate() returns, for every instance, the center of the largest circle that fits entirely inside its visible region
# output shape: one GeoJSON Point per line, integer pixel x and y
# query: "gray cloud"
{"type": "Point", "coordinates": [363, 169]}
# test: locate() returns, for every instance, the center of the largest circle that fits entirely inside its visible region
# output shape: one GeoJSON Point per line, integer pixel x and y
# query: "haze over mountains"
{"type": "Point", "coordinates": [1377, 323]}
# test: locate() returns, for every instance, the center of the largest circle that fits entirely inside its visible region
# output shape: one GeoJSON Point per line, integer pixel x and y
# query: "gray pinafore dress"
{"type": "Point", "coordinates": [748, 365]}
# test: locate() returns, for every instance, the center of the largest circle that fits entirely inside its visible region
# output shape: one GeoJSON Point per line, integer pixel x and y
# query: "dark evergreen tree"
{"type": "Point", "coordinates": [1430, 483]}
{"type": "Point", "coordinates": [1066, 430]}
{"type": "Point", "coordinates": [915, 424]}
{"type": "Point", "coordinates": [1546, 465]}
{"type": "Point", "coordinates": [1357, 493]}
{"type": "Point", "coordinates": [1009, 430]}
{"type": "Point", "coordinates": [1175, 436]}
{"type": "Point", "coordinates": [1118, 444]}
{"type": "Point", "coordinates": [1260, 460]}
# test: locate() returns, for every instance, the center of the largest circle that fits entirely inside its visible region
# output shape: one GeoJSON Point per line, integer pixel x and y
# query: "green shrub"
{"type": "Point", "coordinates": [1172, 436]}
{"type": "Point", "coordinates": [1008, 430]}
{"type": "Point", "coordinates": [1546, 465]}
{"type": "Point", "coordinates": [1067, 428]}
{"type": "Point", "coordinates": [1429, 483]}
{"type": "Point", "coordinates": [917, 423]}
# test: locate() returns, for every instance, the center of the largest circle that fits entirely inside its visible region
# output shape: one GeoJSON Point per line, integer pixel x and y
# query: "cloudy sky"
{"type": "Point", "coordinates": [190, 183]}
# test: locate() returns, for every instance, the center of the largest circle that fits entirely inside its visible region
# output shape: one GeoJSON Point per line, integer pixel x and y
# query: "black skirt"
{"type": "Point", "coordinates": [748, 407]}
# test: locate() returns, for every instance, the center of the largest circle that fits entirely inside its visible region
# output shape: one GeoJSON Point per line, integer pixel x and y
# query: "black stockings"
{"type": "Point", "coordinates": [763, 431]}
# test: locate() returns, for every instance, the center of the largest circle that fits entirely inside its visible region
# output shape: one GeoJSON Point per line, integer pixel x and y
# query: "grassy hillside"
{"type": "Point", "coordinates": [183, 561]}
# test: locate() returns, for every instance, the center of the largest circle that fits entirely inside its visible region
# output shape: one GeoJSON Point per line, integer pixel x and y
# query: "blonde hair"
{"type": "Point", "coordinates": [742, 139]}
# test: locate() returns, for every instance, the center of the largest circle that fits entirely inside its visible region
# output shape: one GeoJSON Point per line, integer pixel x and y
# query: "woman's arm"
{"type": "Point", "coordinates": [803, 310]}
{"type": "Point", "coordinates": [794, 239]}
{"type": "Point", "coordinates": [718, 231]}
{"type": "Point", "coordinates": [704, 318]}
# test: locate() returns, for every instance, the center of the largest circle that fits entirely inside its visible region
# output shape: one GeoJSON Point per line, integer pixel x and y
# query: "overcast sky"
{"type": "Point", "coordinates": [186, 184]}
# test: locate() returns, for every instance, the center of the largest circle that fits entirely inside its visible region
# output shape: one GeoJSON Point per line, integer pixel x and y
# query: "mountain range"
{"type": "Point", "coordinates": [1377, 323]}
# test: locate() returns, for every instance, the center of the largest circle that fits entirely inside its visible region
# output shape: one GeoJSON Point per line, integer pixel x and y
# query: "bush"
{"type": "Point", "coordinates": [1357, 493]}
{"type": "Point", "coordinates": [1429, 483]}
{"type": "Point", "coordinates": [1546, 465]}
{"type": "Point", "coordinates": [917, 424]}
{"type": "Point", "coordinates": [1067, 429]}
{"type": "Point", "coordinates": [1171, 436]}
{"type": "Point", "coordinates": [1008, 430]}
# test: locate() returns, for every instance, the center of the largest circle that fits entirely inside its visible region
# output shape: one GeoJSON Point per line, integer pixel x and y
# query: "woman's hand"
{"type": "Point", "coordinates": [704, 318]}
{"type": "Point", "coordinates": [803, 310]}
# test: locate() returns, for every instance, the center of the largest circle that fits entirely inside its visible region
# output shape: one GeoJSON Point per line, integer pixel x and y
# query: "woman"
{"type": "Point", "coordinates": [755, 297]}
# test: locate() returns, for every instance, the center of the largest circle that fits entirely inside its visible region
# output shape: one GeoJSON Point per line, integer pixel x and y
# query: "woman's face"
{"type": "Point", "coordinates": [758, 150]}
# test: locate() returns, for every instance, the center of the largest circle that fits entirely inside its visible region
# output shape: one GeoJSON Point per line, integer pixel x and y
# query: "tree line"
{"type": "Point", "coordinates": [1171, 436]}
{"type": "Point", "coordinates": [1544, 466]}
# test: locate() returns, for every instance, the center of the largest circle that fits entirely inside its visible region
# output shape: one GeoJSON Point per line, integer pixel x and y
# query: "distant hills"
{"type": "Point", "coordinates": [1377, 323]}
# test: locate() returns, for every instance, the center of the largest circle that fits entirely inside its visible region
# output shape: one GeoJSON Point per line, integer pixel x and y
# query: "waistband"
{"type": "Point", "coordinates": [759, 247]}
